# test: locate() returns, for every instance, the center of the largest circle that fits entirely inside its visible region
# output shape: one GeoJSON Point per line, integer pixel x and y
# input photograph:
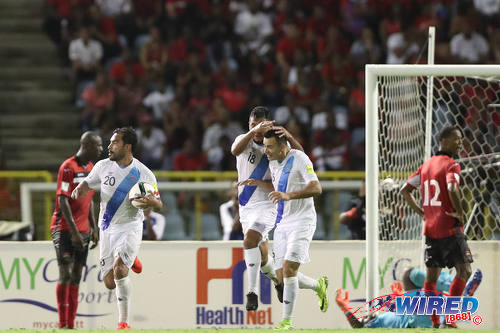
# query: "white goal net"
{"type": "Point", "coordinates": [468, 97]}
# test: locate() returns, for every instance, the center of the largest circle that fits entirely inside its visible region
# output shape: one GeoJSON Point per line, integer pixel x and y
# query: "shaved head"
{"type": "Point", "coordinates": [90, 146]}
{"type": "Point", "coordinates": [88, 136]}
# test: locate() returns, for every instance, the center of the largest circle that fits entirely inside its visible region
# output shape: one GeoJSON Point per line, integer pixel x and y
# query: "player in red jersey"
{"type": "Point", "coordinates": [439, 182]}
{"type": "Point", "coordinates": [73, 226]}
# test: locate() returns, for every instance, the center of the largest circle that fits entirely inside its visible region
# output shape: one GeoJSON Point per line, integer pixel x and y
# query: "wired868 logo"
{"type": "Point", "coordinates": [212, 303]}
{"type": "Point", "coordinates": [453, 308]}
{"type": "Point", "coordinates": [416, 303]}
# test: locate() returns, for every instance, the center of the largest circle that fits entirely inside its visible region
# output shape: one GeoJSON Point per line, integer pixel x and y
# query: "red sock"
{"type": "Point", "coordinates": [457, 286]}
{"type": "Point", "coordinates": [430, 288]}
{"type": "Point", "coordinates": [72, 305]}
{"type": "Point", "coordinates": [62, 303]}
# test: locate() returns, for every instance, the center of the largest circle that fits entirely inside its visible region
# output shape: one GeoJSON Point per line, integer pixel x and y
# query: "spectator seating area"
{"type": "Point", "coordinates": [187, 72]}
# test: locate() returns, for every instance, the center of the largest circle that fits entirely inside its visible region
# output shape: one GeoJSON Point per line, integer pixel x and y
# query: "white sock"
{"type": "Point", "coordinates": [306, 282]}
{"type": "Point", "coordinates": [252, 260]}
{"type": "Point", "coordinates": [123, 294]}
{"type": "Point", "coordinates": [268, 270]}
{"type": "Point", "coordinates": [290, 291]}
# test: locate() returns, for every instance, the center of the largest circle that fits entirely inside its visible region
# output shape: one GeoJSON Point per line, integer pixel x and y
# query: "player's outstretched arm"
{"type": "Point", "coordinates": [294, 144]}
{"type": "Point", "coordinates": [406, 193]}
{"type": "Point", "coordinates": [239, 146]}
{"type": "Point", "coordinates": [81, 190]}
{"type": "Point", "coordinates": [265, 184]}
{"type": "Point", "coordinates": [343, 303]}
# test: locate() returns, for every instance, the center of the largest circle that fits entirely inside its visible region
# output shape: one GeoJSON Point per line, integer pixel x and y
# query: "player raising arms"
{"type": "Point", "coordinates": [446, 246]}
{"type": "Point", "coordinates": [296, 183]}
{"type": "Point", "coordinates": [120, 222]}
{"type": "Point", "coordinates": [257, 213]}
{"type": "Point", "coordinates": [73, 226]}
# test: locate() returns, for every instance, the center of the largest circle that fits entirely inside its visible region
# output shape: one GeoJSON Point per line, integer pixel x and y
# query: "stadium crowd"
{"type": "Point", "coordinates": [187, 72]}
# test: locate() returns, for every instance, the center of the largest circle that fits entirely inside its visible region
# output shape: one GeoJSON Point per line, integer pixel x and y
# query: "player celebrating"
{"type": "Point", "coordinates": [296, 183]}
{"type": "Point", "coordinates": [446, 245]}
{"type": "Point", "coordinates": [257, 213]}
{"type": "Point", "coordinates": [120, 222]}
{"type": "Point", "coordinates": [73, 226]}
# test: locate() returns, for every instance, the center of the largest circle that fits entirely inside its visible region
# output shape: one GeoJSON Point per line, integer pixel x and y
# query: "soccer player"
{"type": "Point", "coordinates": [296, 183]}
{"type": "Point", "coordinates": [120, 222]}
{"type": "Point", "coordinates": [438, 180]}
{"type": "Point", "coordinates": [73, 226]}
{"type": "Point", "coordinates": [257, 214]}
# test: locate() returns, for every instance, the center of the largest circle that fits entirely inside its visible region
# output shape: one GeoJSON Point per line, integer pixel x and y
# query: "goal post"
{"type": "Point", "coordinates": [401, 102]}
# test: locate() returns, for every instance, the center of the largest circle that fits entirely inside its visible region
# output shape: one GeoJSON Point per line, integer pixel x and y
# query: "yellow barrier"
{"type": "Point", "coordinates": [333, 175]}
{"type": "Point", "coordinates": [47, 177]}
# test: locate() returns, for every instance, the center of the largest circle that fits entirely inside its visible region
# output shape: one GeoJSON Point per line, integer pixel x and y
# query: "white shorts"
{"type": "Point", "coordinates": [291, 242]}
{"type": "Point", "coordinates": [260, 219]}
{"type": "Point", "coordinates": [124, 244]}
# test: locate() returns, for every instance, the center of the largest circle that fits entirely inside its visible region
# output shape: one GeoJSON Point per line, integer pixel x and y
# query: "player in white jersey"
{"type": "Point", "coordinates": [120, 222]}
{"type": "Point", "coordinates": [257, 213]}
{"type": "Point", "coordinates": [295, 184]}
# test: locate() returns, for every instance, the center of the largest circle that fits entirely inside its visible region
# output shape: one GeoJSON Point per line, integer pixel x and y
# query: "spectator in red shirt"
{"type": "Point", "coordinates": [331, 44]}
{"type": "Point", "coordinates": [104, 30]}
{"type": "Point", "coordinates": [319, 22]}
{"type": "Point", "coordinates": [154, 54]}
{"type": "Point", "coordinates": [185, 44]}
{"type": "Point", "coordinates": [128, 100]}
{"type": "Point", "coordinates": [190, 158]}
{"type": "Point", "coordinates": [306, 91]}
{"type": "Point", "coordinates": [127, 64]}
{"type": "Point", "coordinates": [286, 46]}
{"type": "Point", "coordinates": [98, 99]}
{"type": "Point", "coordinates": [357, 104]}
{"type": "Point", "coordinates": [234, 95]}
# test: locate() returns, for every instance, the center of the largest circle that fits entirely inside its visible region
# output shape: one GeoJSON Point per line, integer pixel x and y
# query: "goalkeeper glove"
{"type": "Point", "coordinates": [343, 303]}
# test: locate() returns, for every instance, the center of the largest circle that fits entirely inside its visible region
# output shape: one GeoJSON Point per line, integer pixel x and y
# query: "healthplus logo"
{"type": "Point", "coordinates": [212, 306]}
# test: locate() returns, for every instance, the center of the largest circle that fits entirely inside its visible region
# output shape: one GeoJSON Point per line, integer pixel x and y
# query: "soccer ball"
{"type": "Point", "coordinates": [388, 184]}
{"type": "Point", "coordinates": [138, 190]}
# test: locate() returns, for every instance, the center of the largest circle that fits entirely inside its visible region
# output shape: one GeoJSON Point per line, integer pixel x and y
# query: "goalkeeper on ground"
{"type": "Point", "coordinates": [413, 279]}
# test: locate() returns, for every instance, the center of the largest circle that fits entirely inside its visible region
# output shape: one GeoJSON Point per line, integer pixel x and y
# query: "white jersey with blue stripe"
{"type": "Point", "coordinates": [252, 163]}
{"type": "Point", "coordinates": [116, 214]}
{"type": "Point", "coordinates": [290, 175]}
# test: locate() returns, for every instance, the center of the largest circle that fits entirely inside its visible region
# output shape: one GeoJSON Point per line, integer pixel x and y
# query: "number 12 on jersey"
{"type": "Point", "coordinates": [434, 201]}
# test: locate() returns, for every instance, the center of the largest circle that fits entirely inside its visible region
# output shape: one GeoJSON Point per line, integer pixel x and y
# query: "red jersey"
{"type": "Point", "coordinates": [70, 174]}
{"type": "Point", "coordinates": [433, 177]}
